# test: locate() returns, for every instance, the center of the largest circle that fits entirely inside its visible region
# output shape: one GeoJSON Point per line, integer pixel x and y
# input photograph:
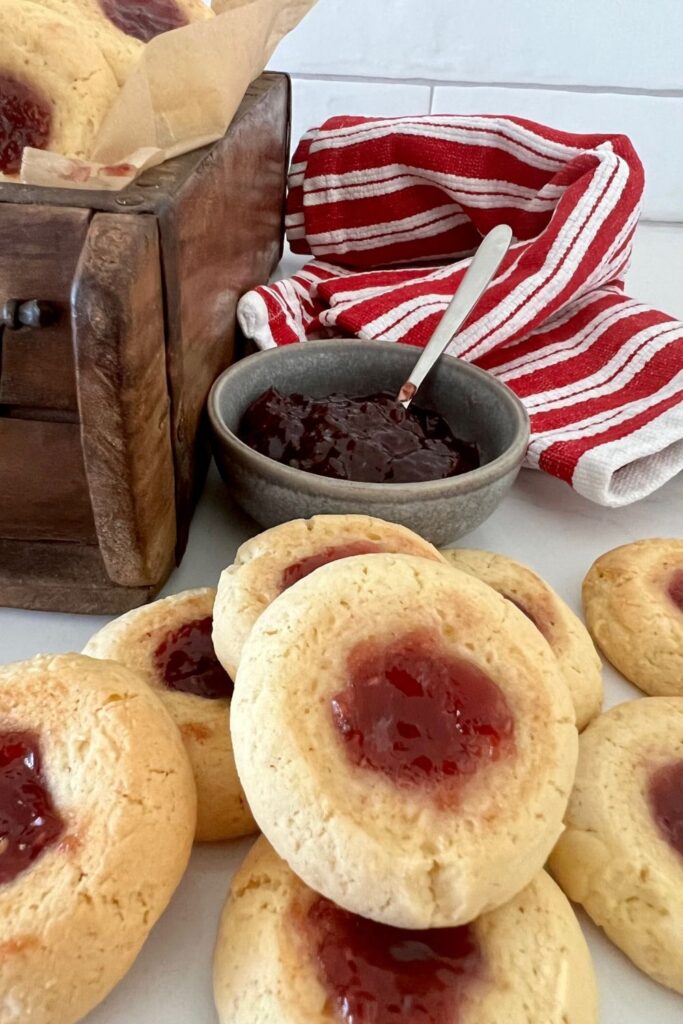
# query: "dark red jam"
{"type": "Point", "coordinates": [419, 715]}
{"type": "Point", "coordinates": [297, 570]}
{"type": "Point", "coordinates": [676, 589]}
{"type": "Point", "coordinates": [25, 120]}
{"type": "Point", "coordinates": [186, 661]}
{"type": "Point", "coordinates": [144, 19]}
{"type": "Point", "coordinates": [371, 439]}
{"type": "Point", "coordinates": [666, 800]}
{"type": "Point", "coordinates": [376, 974]}
{"type": "Point", "coordinates": [29, 823]}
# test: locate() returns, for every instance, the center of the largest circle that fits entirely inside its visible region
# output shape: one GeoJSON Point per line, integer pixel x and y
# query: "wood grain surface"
{"type": "Point", "coordinates": [118, 329]}
{"type": "Point", "coordinates": [43, 487]}
{"type": "Point", "coordinates": [103, 437]}
{"type": "Point", "coordinates": [221, 235]}
{"type": "Point", "coordinates": [57, 576]}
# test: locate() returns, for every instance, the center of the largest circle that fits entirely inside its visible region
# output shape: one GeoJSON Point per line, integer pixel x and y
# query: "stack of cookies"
{"type": "Point", "coordinates": [406, 738]}
{"type": "Point", "coordinates": [403, 725]}
{"type": "Point", "coordinates": [63, 62]}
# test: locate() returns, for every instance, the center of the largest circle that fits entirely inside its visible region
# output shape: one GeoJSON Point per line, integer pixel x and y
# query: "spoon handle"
{"type": "Point", "coordinates": [480, 272]}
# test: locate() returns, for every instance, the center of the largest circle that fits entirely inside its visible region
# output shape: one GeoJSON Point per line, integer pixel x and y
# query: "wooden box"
{"type": "Point", "coordinates": [103, 442]}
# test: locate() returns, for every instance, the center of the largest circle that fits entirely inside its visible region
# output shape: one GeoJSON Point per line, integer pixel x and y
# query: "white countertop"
{"type": "Point", "coordinates": [542, 523]}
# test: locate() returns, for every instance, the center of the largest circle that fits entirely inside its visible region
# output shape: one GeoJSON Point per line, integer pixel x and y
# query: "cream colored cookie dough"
{"type": "Point", "coordinates": [121, 50]}
{"type": "Point", "coordinates": [73, 922]}
{"type": "Point", "coordinates": [632, 615]}
{"type": "Point", "coordinates": [613, 858]}
{"type": "Point", "coordinates": [259, 572]}
{"type": "Point", "coordinates": [566, 634]}
{"type": "Point", "coordinates": [44, 51]}
{"type": "Point", "coordinates": [204, 724]}
{"type": "Point", "coordinates": [535, 965]}
{"type": "Point", "coordinates": [403, 854]}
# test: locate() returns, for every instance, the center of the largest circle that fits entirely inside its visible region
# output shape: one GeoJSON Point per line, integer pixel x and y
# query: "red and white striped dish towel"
{"type": "Point", "coordinates": [390, 208]}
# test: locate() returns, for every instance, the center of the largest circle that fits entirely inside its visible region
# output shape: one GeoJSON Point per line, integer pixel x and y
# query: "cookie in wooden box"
{"type": "Point", "coordinates": [55, 84]}
{"type": "Point", "coordinates": [122, 27]}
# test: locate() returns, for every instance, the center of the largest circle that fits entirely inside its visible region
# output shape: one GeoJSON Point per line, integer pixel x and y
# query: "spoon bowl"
{"type": "Point", "coordinates": [478, 408]}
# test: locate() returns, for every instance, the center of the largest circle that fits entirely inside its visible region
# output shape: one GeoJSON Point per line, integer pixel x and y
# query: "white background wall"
{"type": "Point", "coordinates": [583, 65]}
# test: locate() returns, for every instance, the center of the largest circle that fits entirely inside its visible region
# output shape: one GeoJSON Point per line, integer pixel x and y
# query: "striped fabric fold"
{"type": "Point", "coordinates": [390, 210]}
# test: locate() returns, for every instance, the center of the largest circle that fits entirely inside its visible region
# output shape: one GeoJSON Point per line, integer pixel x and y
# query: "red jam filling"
{"type": "Point", "coordinates": [25, 120]}
{"type": "Point", "coordinates": [420, 715]}
{"type": "Point", "coordinates": [186, 661]}
{"type": "Point", "coordinates": [666, 801]}
{"type": "Point", "coordinates": [369, 439]}
{"type": "Point", "coordinates": [144, 19]}
{"type": "Point", "coordinates": [29, 822]}
{"type": "Point", "coordinates": [297, 570]}
{"type": "Point", "coordinates": [676, 589]}
{"type": "Point", "coordinates": [376, 974]}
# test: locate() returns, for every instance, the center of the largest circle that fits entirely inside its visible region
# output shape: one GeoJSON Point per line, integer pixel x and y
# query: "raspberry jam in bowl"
{"type": "Point", "coordinates": [471, 424]}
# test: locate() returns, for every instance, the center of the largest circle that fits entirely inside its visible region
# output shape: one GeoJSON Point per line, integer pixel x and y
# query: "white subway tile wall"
{"type": "Point", "coordinates": [649, 122]}
{"type": "Point", "coordinates": [313, 102]}
{"type": "Point", "coordinates": [612, 66]}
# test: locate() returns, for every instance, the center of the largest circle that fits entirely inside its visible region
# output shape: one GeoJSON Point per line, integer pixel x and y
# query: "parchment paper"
{"type": "Point", "coordinates": [182, 94]}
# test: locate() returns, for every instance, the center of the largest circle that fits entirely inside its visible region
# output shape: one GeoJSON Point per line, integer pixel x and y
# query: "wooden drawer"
{"type": "Point", "coordinates": [103, 437]}
{"type": "Point", "coordinates": [39, 250]}
{"type": "Point", "coordinates": [43, 486]}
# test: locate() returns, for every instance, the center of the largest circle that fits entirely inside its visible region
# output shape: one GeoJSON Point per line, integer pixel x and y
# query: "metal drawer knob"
{"type": "Point", "coordinates": [18, 313]}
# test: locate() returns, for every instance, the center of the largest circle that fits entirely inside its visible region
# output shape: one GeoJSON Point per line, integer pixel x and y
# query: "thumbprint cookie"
{"type": "Point", "coordinates": [633, 599]}
{"type": "Point", "coordinates": [122, 27]}
{"type": "Point", "coordinates": [271, 562]}
{"type": "Point", "coordinates": [405, 739]}
{"type": "Point", "coordinates": [169, 644]}
{"type": "Point", "coordinates": [568, 637]}
{"type": "Point", "coordinates": [55, 85]}
{"type": "Point", "coordinates": [621, 856]}
{"type": "Point", "coordinates": [97, 815]}
{"type": "Point", "coordinates": [286, 955]}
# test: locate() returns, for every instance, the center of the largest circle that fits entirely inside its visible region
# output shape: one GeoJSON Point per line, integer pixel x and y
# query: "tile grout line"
{"type": "Point", "coordinates": [434, 84]}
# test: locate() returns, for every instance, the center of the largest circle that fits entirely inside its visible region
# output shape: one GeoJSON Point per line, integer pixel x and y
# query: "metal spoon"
{"type": "Point", "coordinates": [480, 272]}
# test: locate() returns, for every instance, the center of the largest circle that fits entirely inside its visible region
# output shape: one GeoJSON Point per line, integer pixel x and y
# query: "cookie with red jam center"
{"type": "Point", "coordinates": [56, 86]}
{"type": "Point", "coordinates": [284, 953]}
{"type": "Point", "coordinates": [568, 637]}
{"type": "Point", "coordinates": [97, 817]}
{"type": "Point", "coordinates": [276, 559]}
{"type": "Point", "coordinates": [633, 599]}
{"type": "Point", "coordinates": [621, 856]}
{"type": "Point", "coordinates": [405, 739]}
{"type": "Point", "coordinates": [169, 643]}
{"type": "Point", "coordinates": [121, 28]}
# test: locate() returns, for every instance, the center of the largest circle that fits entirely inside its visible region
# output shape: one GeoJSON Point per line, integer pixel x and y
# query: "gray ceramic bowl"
{"type": "Point", "coordinates": [478, 407]}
